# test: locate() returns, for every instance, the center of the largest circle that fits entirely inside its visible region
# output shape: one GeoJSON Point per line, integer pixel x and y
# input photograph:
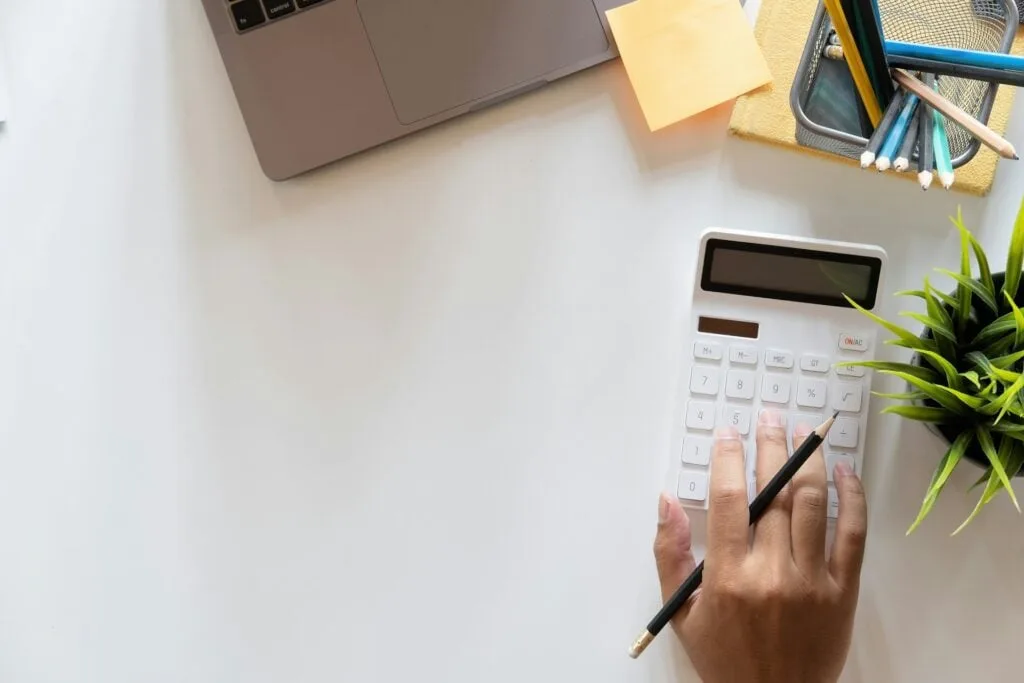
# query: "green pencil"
{"type": "Point", "coordinates": [943, 161]}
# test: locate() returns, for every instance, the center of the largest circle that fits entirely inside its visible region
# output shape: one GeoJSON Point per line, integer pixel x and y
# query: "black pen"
{"type": "Point", "coordinates": [757, 508]}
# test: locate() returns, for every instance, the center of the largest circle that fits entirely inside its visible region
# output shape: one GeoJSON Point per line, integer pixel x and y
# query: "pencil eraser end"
{"type": "Point", "coordinates": [640, 644]}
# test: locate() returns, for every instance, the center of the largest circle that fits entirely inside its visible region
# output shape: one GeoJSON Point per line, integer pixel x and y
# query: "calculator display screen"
{"type": "Point", "coordinates": [790, 274]}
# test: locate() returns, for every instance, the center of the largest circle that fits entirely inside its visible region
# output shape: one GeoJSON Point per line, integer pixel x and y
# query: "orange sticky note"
{"type": "Point", "coordinates": [685, 56]}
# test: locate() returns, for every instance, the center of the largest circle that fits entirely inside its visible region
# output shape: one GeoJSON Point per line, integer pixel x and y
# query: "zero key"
{"type": "Point", "coordinates": [692, 485]}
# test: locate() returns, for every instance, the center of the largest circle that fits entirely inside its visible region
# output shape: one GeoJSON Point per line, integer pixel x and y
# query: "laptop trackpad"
{"type": "Point", "coordinates": [439, 54]}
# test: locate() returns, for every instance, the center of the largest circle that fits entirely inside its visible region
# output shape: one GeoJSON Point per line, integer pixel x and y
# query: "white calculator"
{"type": "Point", "coordinates": [768, 325]}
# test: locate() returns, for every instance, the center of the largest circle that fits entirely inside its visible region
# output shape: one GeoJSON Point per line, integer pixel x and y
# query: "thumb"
{"type": "Point", "coordinates": [672, 550]}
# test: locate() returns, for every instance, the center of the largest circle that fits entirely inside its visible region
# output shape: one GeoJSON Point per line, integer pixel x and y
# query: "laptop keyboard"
{"type": "Point", "coordinates": [248, 14]}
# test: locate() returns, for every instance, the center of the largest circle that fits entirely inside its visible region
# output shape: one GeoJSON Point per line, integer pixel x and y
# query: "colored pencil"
{"type": "Point", "coordinates": [894, 138]}
{"type": "Point", "coordinates": [755, 511]}
{"type": "Point", "coordinates": [943, 162]}
{"type": "Point", "coordinates": [989, 60]}
{"type": "Point", "coordinates": [902, 162]}
{"type": "Point", "coordinates": [854, 61]}
{"type": "Point", "coordinates": [975, 73]}
{"type": "Point", "coordinates": [925, 152]}
{"type": "Point", "coordinates": [878, 137]}
{"type": "Point", "coordinates": [873, 48]}
{"type": "Point", "coordinates": [975, 127]}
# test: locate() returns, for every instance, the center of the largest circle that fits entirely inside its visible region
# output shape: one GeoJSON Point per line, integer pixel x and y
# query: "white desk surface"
{"type": "Point", "coordinates": [405, 418]}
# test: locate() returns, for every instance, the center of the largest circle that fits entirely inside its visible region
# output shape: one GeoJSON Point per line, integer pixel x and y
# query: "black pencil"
{"type": "Point", "coordinates": [878, 137]}
{"type": "Point", "coordinates": [873, 50]}
{"type": "Point", "coordinates": [976, 73]}
{"type": "Point", "coordinates": [925, 151]}
{"type": "Point", "coordinates": [757, 508]}
{"type": "Point", "coordinates": [906, 153]}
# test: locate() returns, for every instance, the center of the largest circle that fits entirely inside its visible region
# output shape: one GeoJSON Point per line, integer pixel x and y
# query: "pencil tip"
{"type": "Point", "coordinates": [835, 414]}
{"type": "Point", "coordinates": [1016, 158]}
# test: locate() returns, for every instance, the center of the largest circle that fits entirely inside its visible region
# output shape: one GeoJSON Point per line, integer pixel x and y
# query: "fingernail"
{"type": "Point", "coordinates": [841, 469]}
{"type": "Point", "coordinates": [723, 433]}
{"type": "Point", "coordinates": [801, 432]}
{"type": "Point", "coordinates": [663, 509]}
{"type": "Point", "coordinates": [770, 418]}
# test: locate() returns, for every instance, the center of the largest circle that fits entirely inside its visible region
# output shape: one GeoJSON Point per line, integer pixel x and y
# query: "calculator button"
{"type": "Point", "coordinates": [846, 396]}
{"type": "Point", "coordinates": [743, 355]}
{"type": "Point", "coordinates": [782, 416]}
{"type": "Point", "coordinates": [832, 458]}
{"type": "Point", "coordinates": [740, 384]}
{"type": "Point", "coordinates": [844, 433]}
{"type": "Point", "coordinates": [704, 380]}
{"type": "Point", "coordinates": [848, 371]}
{"type": "Point", "coordinates": [810, 393]}
{"type": "Point", "coordinates": [751, 491]}
{"type": "Point", "coordinates": [810, 362]}
{"type": "Point", "coordinates": [692, 485]}
{"type": "Point", "coordinates": [700, 415]}
{"type": "Point", "coordinates": [775, 389]}
{"type": "Point", "coordinates": [697, 450]}
{"type": "Point", "coordinates": [853, 342]}
{"type": "Point", "coordinates": [833, 503]}
{"type": "Point", "coordinates": [774, 358]}
{"type": "Point", "coordinates": [737, 417]}
{"type": "Point", "coordinates": [811, 420]}
{"type": "Point", "coordinates": [707, 350]}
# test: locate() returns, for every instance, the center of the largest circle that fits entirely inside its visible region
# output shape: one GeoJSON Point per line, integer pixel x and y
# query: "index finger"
{"type": "Point", "coordinates": [728, 515]}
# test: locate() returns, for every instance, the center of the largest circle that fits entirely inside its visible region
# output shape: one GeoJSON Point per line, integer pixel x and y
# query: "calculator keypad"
{"type": "Point", "coordinates": [730, 385]}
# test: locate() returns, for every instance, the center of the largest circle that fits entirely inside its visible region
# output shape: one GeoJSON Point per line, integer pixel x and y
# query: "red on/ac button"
{"type": "Point", "coordinates": [853, 342]}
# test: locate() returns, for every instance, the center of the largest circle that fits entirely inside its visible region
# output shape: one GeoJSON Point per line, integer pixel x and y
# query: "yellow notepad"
{"type": "Point", "coordinates": [685, 56]}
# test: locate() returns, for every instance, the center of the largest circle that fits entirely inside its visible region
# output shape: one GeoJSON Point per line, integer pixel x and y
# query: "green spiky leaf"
{"type": "Point", "coordinates": [1018, 319]}
{"type": "Point", "coordinates": [972, 377]}
{"type": "Point", "coordinates": [901, 332]}
{"type": "Point", "coordinates": [916, 370]}
{"type": "Point", "coordinates": [941, 476]}
{"type": "Point", "coordinates": [984, 271]}
{"type": "Point", "coordinates": [934, 392]}
{"type": "Point", "coordinates": [1008, 361]}
{"type": "Point", "coordinates": [997, 460]}
{"type": "Point", "coordinates": [921, 413]}
{"type": "Point", "coordinates": [1015, 255]}
{"type": "Point", "coordinates": [971, 287]}
{"type": "Point", "coordinates": [943, 365]}
{"type": "Point", "coordinates": [938, 327]}
{"type": "Point", "coordinates": [990, 488]}
{"type": "Point", "coordinates": [995, 330]}
{"type": "Point", "coordinates": [901, 396]}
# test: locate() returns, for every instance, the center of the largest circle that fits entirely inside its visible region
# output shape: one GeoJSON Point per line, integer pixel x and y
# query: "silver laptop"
{"type": "Point", "coordinates": [318, 80]}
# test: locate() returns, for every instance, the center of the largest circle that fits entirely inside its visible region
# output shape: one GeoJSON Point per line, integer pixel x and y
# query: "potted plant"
{"type": "Point", "coordinates": [966, 378]}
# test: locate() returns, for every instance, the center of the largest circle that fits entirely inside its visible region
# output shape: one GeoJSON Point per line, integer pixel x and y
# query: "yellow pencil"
{"type": "Point", "coordinates": [854, 61]}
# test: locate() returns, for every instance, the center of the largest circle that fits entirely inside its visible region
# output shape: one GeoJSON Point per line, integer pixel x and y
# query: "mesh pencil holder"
{"type": "Point", "coordinates": [986, 25]}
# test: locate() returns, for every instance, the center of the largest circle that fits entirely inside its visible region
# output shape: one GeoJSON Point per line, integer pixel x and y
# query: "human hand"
{"type": "Point", "coordinates": [775, 610]}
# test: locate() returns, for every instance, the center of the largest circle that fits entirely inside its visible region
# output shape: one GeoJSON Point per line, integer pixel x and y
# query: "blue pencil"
{"type": "Point", "coordinates": [896, 134]}
{"type": "Point", "coordinates": [950, 55]}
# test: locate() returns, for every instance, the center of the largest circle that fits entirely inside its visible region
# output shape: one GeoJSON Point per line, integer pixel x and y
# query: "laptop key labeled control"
{"type": "Point", "coordinates": [278, 8]}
